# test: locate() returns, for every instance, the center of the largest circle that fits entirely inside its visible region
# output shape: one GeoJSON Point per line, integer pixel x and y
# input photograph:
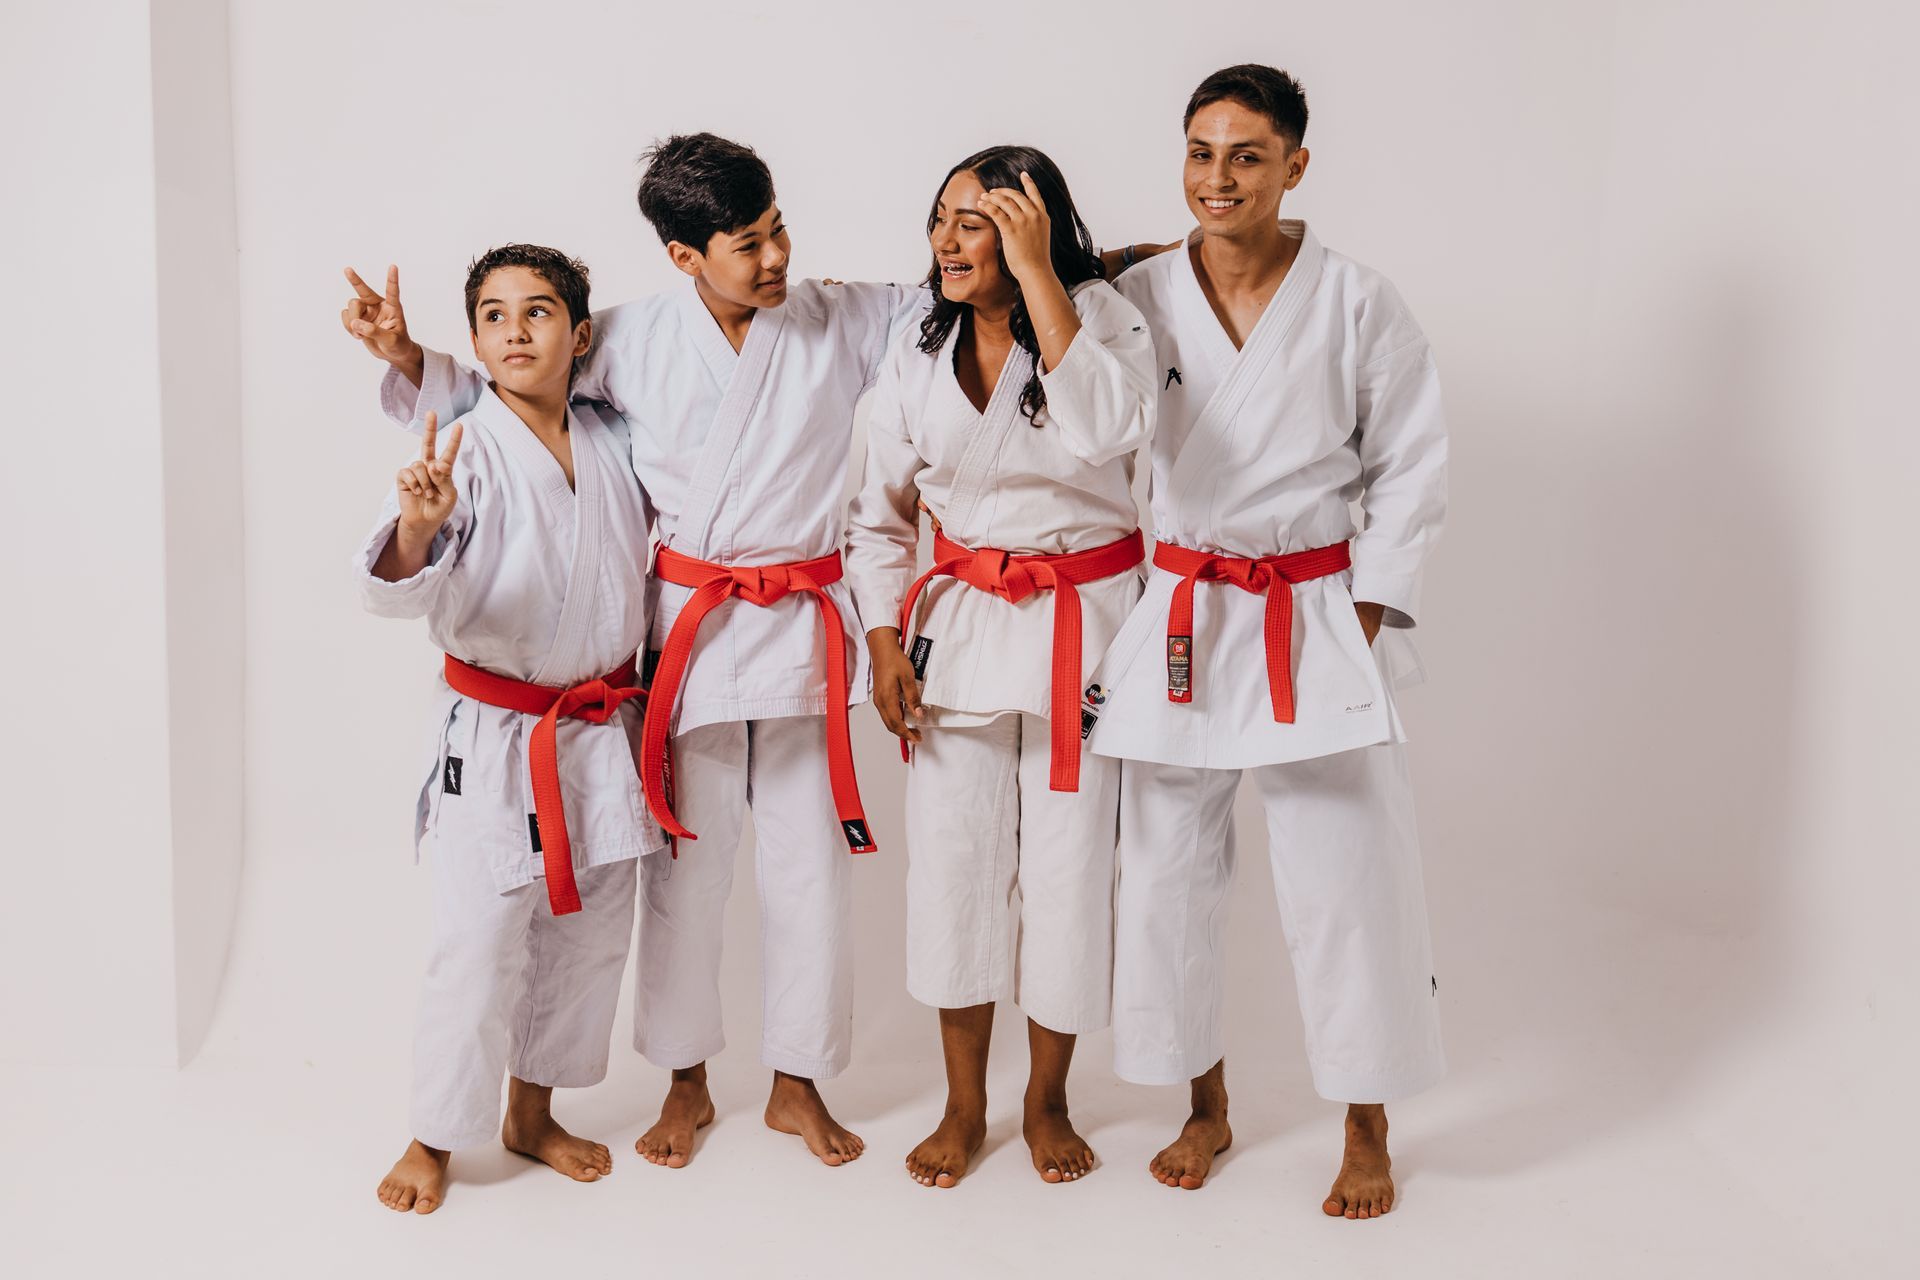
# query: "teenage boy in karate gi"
{"type": "Point", "coordinates": [1293, 381]}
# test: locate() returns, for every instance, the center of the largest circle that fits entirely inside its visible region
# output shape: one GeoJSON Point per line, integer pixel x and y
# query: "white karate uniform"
{"type": "Point", "coordinates": [1260, 451]}
{"type": "Point", "coordinates": [982, 822]}
{"type": "Point", "coordinates": [538, 582]}
{"type": "Point", "coordinates": [743, 457]}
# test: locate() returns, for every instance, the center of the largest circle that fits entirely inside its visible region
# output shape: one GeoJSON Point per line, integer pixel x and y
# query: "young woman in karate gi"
{"type": "Point", "coordinates": [521, 545]}
{"type": "Point", "coordinates": [1011, 414]}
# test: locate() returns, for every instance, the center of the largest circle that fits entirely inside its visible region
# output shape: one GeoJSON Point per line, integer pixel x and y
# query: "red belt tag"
{"type": "Point", "coordinates": [856, 832]}
{"type": "Point", "coordinates": [1180, 668]}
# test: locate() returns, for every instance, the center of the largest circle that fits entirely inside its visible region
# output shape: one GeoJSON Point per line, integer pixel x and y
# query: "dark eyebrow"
{"type": "Point", "coordinates": [535, 297]}
{"type": "Point", "coordinates": [1231, 146]}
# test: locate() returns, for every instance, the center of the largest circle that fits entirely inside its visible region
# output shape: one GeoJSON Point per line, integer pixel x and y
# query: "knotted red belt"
{"type": "Point", "coordinates": [1272, 576]}
{"type": "Point", "coordinates": [762, 584]}
{"type": "Point", "coordinates": [1013, 578]}
{"type": "Point", "coordinates": [595, 701]}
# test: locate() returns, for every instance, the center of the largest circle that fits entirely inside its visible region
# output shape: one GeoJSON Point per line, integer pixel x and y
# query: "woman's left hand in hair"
{"type": "Point", "coordinates": [1026, 233]}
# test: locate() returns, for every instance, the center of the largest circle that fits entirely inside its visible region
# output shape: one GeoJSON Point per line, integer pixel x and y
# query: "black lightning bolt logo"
{"type": "Point", "coordinates": [1173, 376]}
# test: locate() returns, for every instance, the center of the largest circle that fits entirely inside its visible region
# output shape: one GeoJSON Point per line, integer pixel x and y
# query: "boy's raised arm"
{"type": "Point", "coordinates": [418, 380]}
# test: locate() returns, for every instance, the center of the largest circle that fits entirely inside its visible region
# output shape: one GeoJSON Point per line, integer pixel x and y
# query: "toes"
{"type": "Point", "coordinates": [425, 1204]}
{"type": "Point", "coordinates": [1050, 1174]}
{"type": "Point", "coordinates": [1189, 1182]}
{"type": "Point", "coordinates": [1333, 1207]}
{"type": "Point", "coordinates": [944, 1179]}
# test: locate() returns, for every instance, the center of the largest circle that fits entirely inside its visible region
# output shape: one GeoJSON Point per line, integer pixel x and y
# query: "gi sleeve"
{"type": "Point", "coordinates": [1403, 457]}
{"type": "Point", "coordinates": [883, 522]}
{"type": "Point", "coordinates": [447, 387]}
{"type": "Point", "coordinates": [419, 595]}
{"type": "Point", "coordinates": [1102, 396]}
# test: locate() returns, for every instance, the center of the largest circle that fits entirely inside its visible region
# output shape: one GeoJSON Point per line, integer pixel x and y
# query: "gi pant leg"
{"type": "Point", "coordinates": [683, 902]}
{"type": "Point", "coordinates": [564, 1026]}
{"type": "Point", "coordinates": [1176, 865]}
{"type": "Point", "coordinates": [1346, 870]}
{"type": "Point", "coordinates": [778, 769]}
{"type": "Point", "coordinates": [1010, 883]}
{"type": "Point", "coordinates": [478, 1005]}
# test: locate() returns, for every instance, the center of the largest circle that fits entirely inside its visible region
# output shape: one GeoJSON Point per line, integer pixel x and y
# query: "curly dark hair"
{"type": "Point", "coordinates": [568, 276]}
{"type": "Point", "coordinates": [700, 185]}
{"type": "Point", "coordinates": [1071, 248]}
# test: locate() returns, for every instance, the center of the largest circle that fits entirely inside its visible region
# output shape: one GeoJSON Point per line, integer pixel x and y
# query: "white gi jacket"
{"type": "Point", "coordinates": [1260, 451]}
{"type": "Point", "coordinates": [996, 479]}
{"type": "Point", "coordinates": [533, 580]}
{"type": "Point", "coordinates": [743, 456]}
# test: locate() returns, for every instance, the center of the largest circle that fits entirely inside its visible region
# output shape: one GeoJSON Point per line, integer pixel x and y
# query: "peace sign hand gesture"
{"type": "Point", "coordinates": [1026, 232]}
{"type": "Point", "coordinates": [379, 321]}
{"type": "Point", "coordinates": [426, 489]}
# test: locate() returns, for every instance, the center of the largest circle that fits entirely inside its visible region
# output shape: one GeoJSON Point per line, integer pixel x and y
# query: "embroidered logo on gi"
{"type": "Point", "coordinates": [1436, 984]}
{"type": "Point", "coordinates": [533, 829]}
{"type": "Point", "coordinates": [1173, 376]}
{"type": "Point", "coordinates": [856, 833]}
{"type": "Point", "coordinates": [1090, 704]}
{"type": "Point", "coordinates": [1359, 707]}
{"type": "Point", "coordinates": [922, 650]}
{"type": "Point", "coordinates": [450, 777]}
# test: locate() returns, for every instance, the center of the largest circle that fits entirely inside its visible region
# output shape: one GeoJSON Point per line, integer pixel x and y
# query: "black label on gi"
{"type": "Point", "coordinates": [1091, 704]}
{"type": "Point", "coordinates": [922, 649]}
{"type": "Point", "coordinates": [1180, 666]}
{"type": "Point", "coordinates": [649, 663]}
{"type": "Point", "coordinates": [450, 777]}
{"type": "Point", "coordinates": [533, 829]}
{"type": "Point", "coordinates": [856, 832]}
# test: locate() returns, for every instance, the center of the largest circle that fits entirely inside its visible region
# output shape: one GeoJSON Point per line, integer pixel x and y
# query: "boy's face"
{"type": "Point", "coordinates": [747, 266]}
{"type": "Point", "coordinates": [1237, 169]}
{"type": "Point", "coordinates": [523, 335]}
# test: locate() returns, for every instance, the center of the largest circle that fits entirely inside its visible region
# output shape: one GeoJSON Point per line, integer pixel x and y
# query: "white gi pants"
{"type": "Point", "coordinates": [510, 987]}
{"type": "Point", "coordinates": [777, 769]}
{"type": "Point", "coordinates": [1346, 869]}
{"type": "Point", "coordinates": [1009, 883]}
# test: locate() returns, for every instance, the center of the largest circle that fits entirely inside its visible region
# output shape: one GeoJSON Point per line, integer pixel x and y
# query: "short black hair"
{"type": "Point", "coordinates": [700, 185]}
{"type": "Point", "coordinates": [568, 276]}
{"type": "Point", "coordinates": [1268, 90]}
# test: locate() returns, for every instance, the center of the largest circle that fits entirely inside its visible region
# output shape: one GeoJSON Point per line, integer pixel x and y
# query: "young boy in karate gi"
{"type": "Point", "coordinates": [521, 545]}
{"type": "Point", "coordinates": [1293, 381]}
{"type": "Point", "coordinates": [740, 388]}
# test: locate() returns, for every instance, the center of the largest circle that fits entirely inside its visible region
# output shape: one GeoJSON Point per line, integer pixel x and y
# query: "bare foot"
{"type": "Point", "coordinates": [541, 1138]}
{"type": "Point", "coordinates": [795, 1107]}
{"type": "Point", "coordinates": [1364, 1186]}
{"type": "Point", "coordinates": [1187, 1161]}
{"type": "Point", "coordinates": [1059, 1154]}
{"type": "Point", "coordinates": [688, 1108]}
{"type": "Point", "coordinates": [942, 1158]}
{"type": "Point", "coordinates": [417, 1182]}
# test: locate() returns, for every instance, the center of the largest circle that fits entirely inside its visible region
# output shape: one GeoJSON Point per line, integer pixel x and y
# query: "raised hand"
{"type": "Point", "coordinates": [379, 321]}
{"type": "Point", "coordinates": [425, 486]}
{"type": "Point", "coordinates": [1026, 232]}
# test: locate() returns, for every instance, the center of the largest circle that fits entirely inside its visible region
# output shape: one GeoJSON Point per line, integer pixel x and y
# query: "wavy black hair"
{"type": "Point", "coordinates": [700, 185]}
{"type": "Point", "coordinates": [1071, 248]}
{"type": "Point", "coordinates": [568, 276]}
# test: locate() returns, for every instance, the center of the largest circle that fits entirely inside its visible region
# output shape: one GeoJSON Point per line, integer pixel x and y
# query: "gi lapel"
{"type": "Point", "coordinates": [694, 534]}
{"type": "Point", "coordinates": [591, 480]}
{"type": "Point", "coordinates": [1194, 473]}
{"type": "Point", "coordinates": [987, 434]}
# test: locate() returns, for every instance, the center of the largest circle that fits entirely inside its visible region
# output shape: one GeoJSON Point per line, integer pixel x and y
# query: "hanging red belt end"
{"type": "Point", "coordinates": [859, 839]}
{"type": "Point", "coordinates": [1179, 668]}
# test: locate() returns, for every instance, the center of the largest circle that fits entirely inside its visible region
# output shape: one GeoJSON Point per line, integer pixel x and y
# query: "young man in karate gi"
{"type": "Point", "coordinates": [740, 389]}
{"type": "Point", "coordinates": [521, 545]}
{"type": "Point", "coordinates": [1292, 382]}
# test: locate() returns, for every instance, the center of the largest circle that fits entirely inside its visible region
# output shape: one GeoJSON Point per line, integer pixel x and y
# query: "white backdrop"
{"type": "Point", "coordinates": [1663, 253]}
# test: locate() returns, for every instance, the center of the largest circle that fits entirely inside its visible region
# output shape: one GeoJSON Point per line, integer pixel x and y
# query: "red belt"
{"type": "Point", "coordinates": [595, 701]}
{"type": "Point", "coordinates": [1272, 576]}
{"type": "Point", "coordinates": [763, 585]}
{"type": "Point", "coordinates": [1014, 578]}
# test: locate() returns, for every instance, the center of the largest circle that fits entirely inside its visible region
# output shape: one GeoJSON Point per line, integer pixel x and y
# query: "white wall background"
{"type": "Point", "coordinates": [1663, 252]}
